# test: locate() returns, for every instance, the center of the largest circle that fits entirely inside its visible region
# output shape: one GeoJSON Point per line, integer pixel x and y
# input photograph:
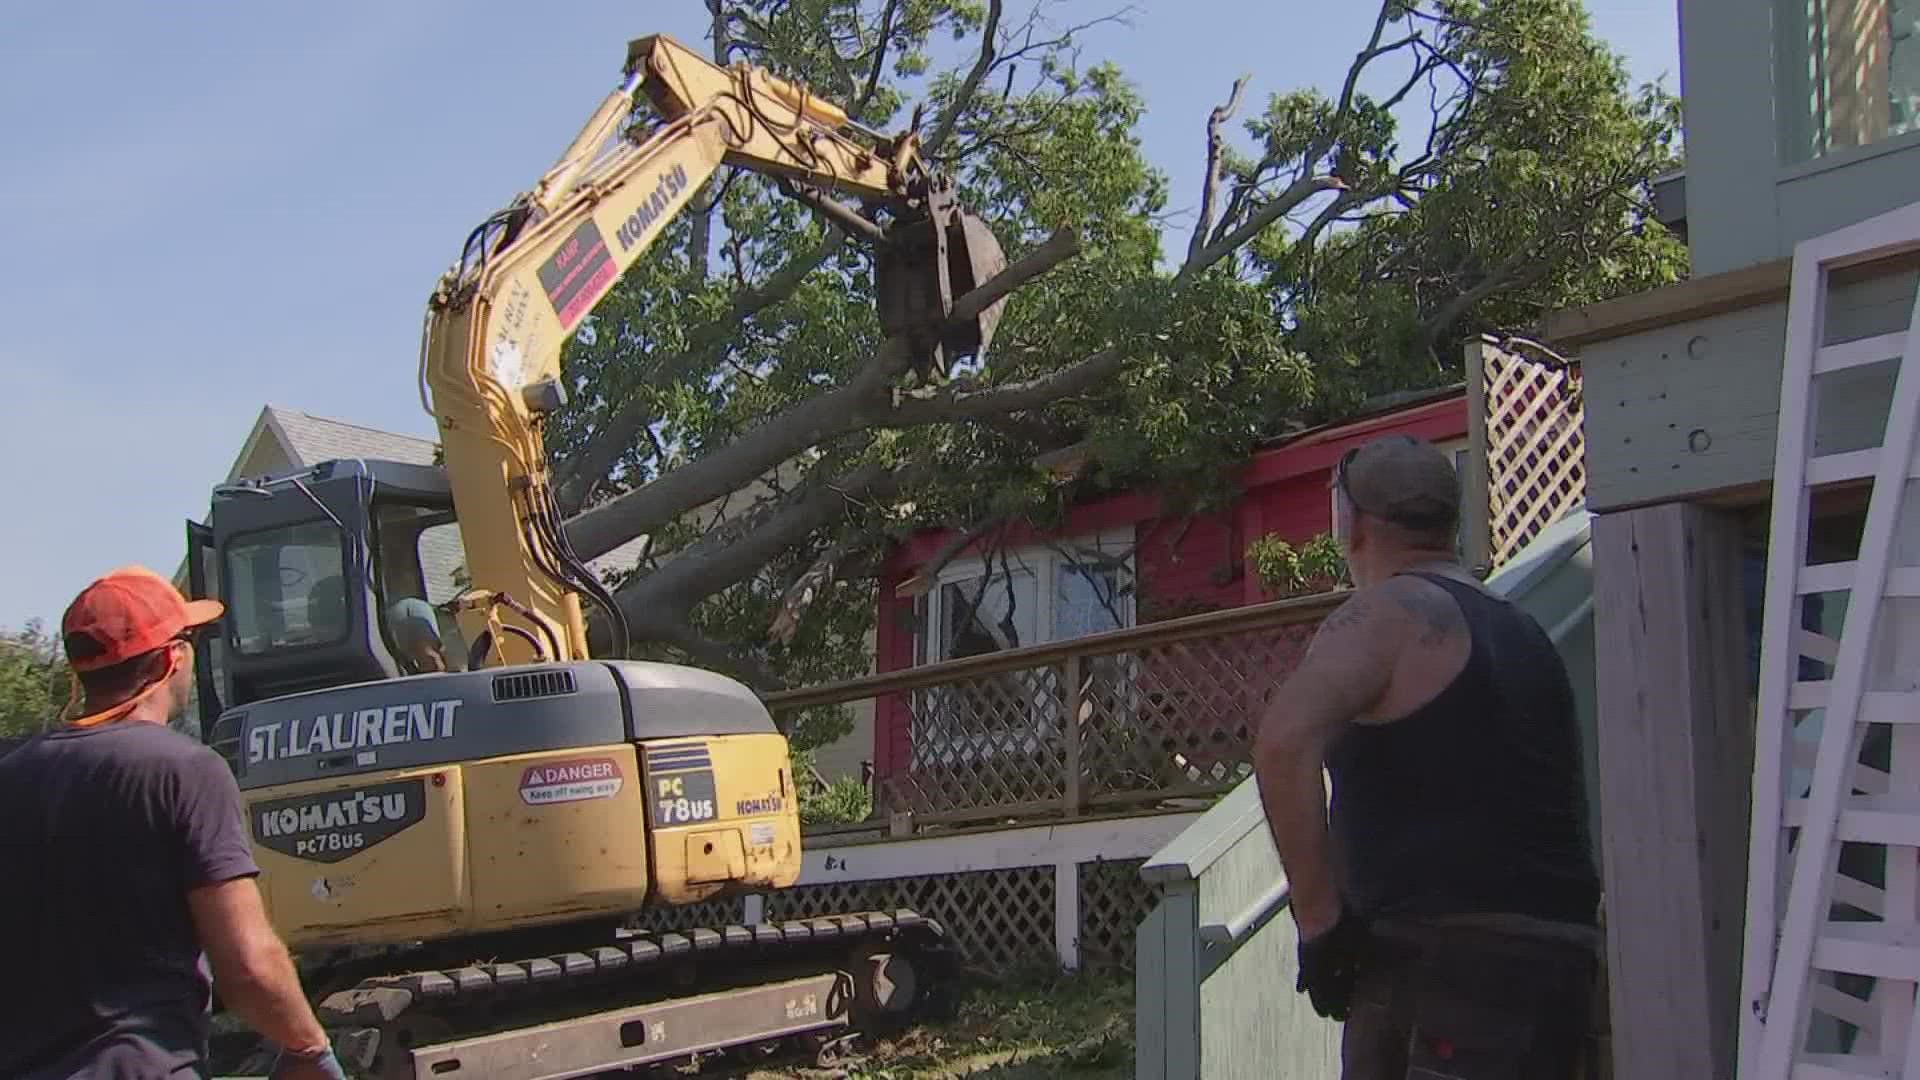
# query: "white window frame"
{"type": "Point", "coordinates": [1043, 562]}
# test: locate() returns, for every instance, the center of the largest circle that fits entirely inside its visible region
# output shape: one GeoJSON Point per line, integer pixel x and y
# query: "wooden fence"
{"type": "Point", "coordinates": [1122, 720]}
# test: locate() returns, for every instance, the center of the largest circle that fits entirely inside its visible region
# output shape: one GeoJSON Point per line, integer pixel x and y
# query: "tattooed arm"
{"type": "Point", "coordinates": [1346, 675]}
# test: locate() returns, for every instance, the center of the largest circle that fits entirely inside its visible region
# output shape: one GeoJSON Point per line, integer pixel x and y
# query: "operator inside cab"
{"type": "Point", "coordinates": [416, 633]}
{"type": "Point", "coordinates": [413, 627]}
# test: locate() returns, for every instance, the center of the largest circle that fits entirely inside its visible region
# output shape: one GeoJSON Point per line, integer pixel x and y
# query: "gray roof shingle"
{"type": "Point", "coordinates": [314, 439]}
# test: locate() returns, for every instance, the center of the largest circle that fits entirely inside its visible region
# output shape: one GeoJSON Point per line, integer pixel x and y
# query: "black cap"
{"type": "Point", "coordinates": [1402, 479]}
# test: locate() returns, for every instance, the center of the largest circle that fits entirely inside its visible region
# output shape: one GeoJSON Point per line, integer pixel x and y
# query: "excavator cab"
{"type": "Point", "coordinates": [331, 576]}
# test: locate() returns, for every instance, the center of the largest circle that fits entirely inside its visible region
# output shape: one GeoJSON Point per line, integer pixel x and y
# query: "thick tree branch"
{"type": "Point", "coordinates": [1210, 180]}
{"type": "Point", "coordinates": [728, 557]}
{"type": "Point", "coordinates": [577, 479]}
{"type": "Point", "coordinates": [1064, 244]}
{"type": "Point", "coordinates": [1031, 393]}
{"type": "Point", "coordinates": [812, 583]}
{"type": "Point", "coordinates": [808, 423]}
{"type": "Point", "coordinates": [961, 99]}
{"type": "Point", "coordinates": [859, 403]}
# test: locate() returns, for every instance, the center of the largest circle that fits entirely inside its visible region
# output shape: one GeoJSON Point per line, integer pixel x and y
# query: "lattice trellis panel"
{"type": "Point", "coordinates": [1536, 447]}
{"type": "Point", "coordinates": [999, 920]}
{"type": "Point", "coordinates": [1113, 903]}
{"type": "Point", "coordinates": [987, 741]}
{"type": "Point", "coordinates": [1184, 713]}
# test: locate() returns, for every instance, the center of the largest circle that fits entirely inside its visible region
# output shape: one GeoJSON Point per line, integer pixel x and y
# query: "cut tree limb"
{"type": "Point", "coordinates": [814, 580]}
{"type": "Point", "coordinates": [1064, 244]}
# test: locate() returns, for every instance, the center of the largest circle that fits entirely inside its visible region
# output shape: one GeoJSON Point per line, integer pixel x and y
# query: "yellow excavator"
{"type": "Point", "coordinates": [458, 812]}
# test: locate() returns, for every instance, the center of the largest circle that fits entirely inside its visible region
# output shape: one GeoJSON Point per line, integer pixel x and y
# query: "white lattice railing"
{"type": "Point", "coordinates": [1531, 414]}
{"type": "Point", "coordinates": [1012, 901]}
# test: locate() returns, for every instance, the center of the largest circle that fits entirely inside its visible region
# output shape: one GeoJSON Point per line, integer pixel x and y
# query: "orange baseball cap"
{"type": "Point", "coordinates": [128, 612]}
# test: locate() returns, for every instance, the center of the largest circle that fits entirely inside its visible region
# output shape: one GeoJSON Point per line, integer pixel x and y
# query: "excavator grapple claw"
{"type": "Point", "coordinates": [931, 259]}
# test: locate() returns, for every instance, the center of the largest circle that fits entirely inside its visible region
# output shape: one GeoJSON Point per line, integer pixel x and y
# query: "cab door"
{"type": "Point", "coordinates": [202, 569]}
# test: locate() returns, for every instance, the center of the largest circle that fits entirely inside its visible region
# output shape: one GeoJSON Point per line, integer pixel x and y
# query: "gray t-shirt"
{"type": "Point", "coordinates": [102, 833]}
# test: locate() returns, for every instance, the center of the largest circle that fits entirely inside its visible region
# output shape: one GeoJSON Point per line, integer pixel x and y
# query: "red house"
{"type": "Point", "coordinates": [1118, 562]}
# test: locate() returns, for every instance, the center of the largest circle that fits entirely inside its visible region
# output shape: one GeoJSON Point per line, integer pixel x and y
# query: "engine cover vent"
{"type": "Point", "coordinates": [527, 685]}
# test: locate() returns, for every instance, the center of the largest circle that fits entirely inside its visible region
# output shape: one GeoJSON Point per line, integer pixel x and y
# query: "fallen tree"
{"type": "Point", "coordinates": [735, 402]}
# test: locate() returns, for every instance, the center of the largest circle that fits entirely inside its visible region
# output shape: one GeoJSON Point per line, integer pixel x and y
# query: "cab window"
{"type": "Point", "coordinates": [418, 563]}
{"type": "Point", "coordinates": [288, 588]}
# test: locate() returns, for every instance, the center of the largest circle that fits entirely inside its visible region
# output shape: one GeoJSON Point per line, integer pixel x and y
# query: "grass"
{"type": "Point", "coordinates": [1078, 1027]}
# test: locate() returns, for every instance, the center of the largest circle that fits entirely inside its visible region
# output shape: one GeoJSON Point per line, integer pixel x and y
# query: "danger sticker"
{"type": "Point", "coordinates": [570, 781]}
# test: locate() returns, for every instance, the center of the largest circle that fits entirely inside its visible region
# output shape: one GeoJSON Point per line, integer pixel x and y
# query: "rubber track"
{"type": "Point", "coordinates": [375, 1004]}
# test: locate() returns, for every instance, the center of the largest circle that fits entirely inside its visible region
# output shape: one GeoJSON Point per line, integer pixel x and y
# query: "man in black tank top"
{"type": "Point", "coordinates": [1446, 898]}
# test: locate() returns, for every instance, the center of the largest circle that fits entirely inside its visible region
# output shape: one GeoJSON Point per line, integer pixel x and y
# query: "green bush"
{"type": "Point", "coordinates": [1284, 570]}
{"type": "Point", "coordinates": [824, 802]}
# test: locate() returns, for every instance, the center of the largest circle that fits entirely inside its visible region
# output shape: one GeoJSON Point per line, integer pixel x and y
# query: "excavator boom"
{"type": "Point", "coordinates": [532, 275]}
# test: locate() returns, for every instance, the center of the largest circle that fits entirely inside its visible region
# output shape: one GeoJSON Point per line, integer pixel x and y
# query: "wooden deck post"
{"type": "Point", "coordinates": [1676, 758]}
{"type": "Point", "coordinates": [1071, 686]}
{"type": "Point", "coordinates": [1478, 553]}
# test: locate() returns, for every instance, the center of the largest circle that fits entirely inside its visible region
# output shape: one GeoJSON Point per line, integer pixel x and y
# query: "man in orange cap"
{"type": "Point", "coordinates": [125, 868]}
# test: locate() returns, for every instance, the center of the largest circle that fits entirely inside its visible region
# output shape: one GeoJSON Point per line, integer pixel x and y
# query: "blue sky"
{"type": "Point", "coordinates": [215, 207]}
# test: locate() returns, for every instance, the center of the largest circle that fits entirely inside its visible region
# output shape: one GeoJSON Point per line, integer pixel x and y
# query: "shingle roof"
{"type": "Point", "coordinates": [310, 439]}
{"type": "Point", "coordinates": [314, 439]}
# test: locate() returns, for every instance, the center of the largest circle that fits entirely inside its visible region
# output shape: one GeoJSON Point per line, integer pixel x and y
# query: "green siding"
{"type": "Point", "coordinates": [1748, 199]}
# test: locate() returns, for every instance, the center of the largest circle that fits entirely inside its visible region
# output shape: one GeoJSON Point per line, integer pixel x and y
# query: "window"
{"type": "Point", "coordinates": [288, 589]}
{"type": "Point", "coordinates": [419, 556]}
{"type": "Point", "coordinates": [1032, 595]}
{"type": "Point", "coordinates": [1012, 599]}
{"type": "Point", "coordinates": [1849, 74]}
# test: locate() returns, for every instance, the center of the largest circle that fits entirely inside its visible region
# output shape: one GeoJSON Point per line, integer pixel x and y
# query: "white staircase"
{"type": "Point", "coordinates": [1833, 907]}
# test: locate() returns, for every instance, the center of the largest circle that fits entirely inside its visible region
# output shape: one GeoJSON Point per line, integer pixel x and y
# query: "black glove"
{"type": "Point", "coordinates": [1330, 965]}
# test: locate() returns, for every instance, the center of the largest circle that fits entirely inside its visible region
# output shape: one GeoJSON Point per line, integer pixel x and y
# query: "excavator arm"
{"type": "Point", "coordinates": [532, 273]}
